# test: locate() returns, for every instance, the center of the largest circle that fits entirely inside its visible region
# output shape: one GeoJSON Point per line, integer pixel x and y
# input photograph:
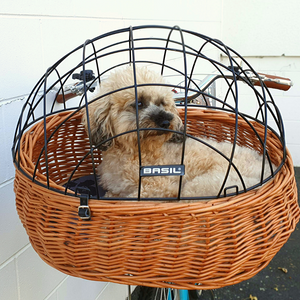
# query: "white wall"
{"type": "Point", "coordinates": [265, 34]}
{"type": "Point", "coordinates": [34, 34]}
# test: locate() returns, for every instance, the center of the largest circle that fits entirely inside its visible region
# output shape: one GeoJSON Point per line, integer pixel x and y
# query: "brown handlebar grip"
{"type": "Point", "coordinates": [61, 99]}
{"type": "Point", "coordinates": [284, 85]}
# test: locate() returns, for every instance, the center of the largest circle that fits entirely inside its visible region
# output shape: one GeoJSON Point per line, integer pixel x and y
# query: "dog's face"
{"type": "Point", "coordinates": [118, 112]}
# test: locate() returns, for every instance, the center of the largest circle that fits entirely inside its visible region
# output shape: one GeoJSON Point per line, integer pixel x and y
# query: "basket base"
{"type": "Point", "coordinates": [216, 243]}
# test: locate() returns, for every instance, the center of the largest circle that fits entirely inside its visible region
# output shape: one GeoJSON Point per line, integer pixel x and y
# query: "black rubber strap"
{"type": "Point", "coordinates": [84, 211]}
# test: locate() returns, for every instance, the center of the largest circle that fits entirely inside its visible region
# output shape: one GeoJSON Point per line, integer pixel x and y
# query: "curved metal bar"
{"type": "Point", "coordinates": [87, 112]}
{"type": "Point", "coordinates": [132, 51]}
{"type": "Point", "coordinates": [236, 120]}
{"type": "Point", "coordinates": [266, 105]}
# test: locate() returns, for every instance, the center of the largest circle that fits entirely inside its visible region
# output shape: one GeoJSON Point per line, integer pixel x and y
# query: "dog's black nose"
{"type": "Point", "coordinates": [164, 124]}
{"type": "Point", "coordinates": [162, 119]}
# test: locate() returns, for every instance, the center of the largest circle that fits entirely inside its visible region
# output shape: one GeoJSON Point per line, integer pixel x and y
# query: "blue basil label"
{"type": "Point", "coordinates": [167, 170]}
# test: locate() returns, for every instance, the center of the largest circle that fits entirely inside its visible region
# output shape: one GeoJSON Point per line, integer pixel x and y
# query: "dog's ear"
{"type": "Point", "coordinates": [100, 124]}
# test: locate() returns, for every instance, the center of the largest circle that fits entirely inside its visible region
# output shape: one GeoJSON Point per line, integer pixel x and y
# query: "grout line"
{"type": "Point", "coordinates": [59, 16]}
{"type": "Point", "coordinates": [57, 287]}
{"type": "Point", "coordinates": [4, 101]}
{"type": "Point", "coordinates": [18, 279]}
{"type": "Point", "coordinates": [6, 182]}
{"type": "Point", "coordinates": [15, 255]}
{"type": "Point", "coordinates": [99, 295]}
{"type": "Point", "coordinates": [99, 18]}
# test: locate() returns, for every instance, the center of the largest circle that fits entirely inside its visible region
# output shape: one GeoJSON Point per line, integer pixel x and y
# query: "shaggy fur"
{"type": "Point", "coordinates": [115, 113]}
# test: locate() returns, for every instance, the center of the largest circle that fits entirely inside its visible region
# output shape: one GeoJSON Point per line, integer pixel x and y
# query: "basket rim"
{"type": "Point", "coordinates": [61, 117]}
{"type": "Point", "coordinates": [208, 205]}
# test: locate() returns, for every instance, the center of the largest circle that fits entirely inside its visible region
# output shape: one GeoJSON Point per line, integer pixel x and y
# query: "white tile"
{"type": "Point", "coordinates": [168, 9]}
{"type": "Point", "coordinates": [244, 27]}
{"type": "Point", "coordinates": [287, 102]}
{"type": "Point", "coordinates": [12, 233]}
{"type": "Point", "coordinates": [295, 153]}
{"type": "Point", "coordinates": [21, 55]}
{"type": "Point", "coordinates": [289, 106]}
{"type": "Point", "coordinates": [114, 291]}
{"type": "Point", "coordinates": [77, 289]}
{"type": "Point", "coordinates": [62, 35]}
{"type": "Point", "coordinates": [283, 63]}
{"type": "Point", "coordinates": [8, 282]}
{"type": "Point", "coordinates": [37, 280]}
{"type": "Point", "coordinates": [65, 8]}
{"type": "Point", "coordinates": [53, 296]}
{"type": "Point", "coordinates": [292, 132]}
{"type": "Point", "coordinates": [9, 114]}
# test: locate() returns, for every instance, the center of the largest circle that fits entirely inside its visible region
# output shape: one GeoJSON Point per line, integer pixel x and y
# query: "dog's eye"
{"type": "Point", "coordinates": [140, 105]}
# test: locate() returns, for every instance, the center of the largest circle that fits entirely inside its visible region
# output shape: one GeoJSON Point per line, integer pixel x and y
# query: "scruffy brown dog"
{"type": "Point", "coordinates": [114, 114]}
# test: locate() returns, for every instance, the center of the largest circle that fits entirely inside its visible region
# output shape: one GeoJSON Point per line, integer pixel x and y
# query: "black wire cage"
{"type": "Point", "coordinates": [179, 55]}
{"type": "Point", "coordinates": [219, 97]}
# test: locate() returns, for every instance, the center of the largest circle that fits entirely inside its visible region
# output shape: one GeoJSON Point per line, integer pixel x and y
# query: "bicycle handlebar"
{"type": "Point", "coordinates": [72, 90]}
{"type": "Point", "coordinates": [270, 81]}
{"type": "Point", "coordinates": [274, 82]}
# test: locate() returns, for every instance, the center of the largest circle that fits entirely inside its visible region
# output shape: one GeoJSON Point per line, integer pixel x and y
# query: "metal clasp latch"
{"type": "Point", "coordinates": [84, 211]}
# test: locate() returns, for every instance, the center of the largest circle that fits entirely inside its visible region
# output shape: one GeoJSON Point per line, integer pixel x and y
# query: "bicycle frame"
{"type": "Point", "coordinates": [183, 295]}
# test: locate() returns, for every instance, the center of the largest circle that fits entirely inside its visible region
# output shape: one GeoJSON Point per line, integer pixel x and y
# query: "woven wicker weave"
{"type": "Point", "coordinates": [216, 243]}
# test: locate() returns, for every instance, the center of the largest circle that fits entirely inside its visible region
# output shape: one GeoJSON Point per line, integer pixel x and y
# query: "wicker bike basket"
{"type": "Point", "coordinates": [215, 241]}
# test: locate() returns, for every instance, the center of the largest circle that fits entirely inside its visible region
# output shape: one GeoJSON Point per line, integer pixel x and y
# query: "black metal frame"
{"type": "Point", "coordinates": [165, 44]}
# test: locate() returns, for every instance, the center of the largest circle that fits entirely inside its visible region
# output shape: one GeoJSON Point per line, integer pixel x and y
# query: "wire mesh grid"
{"type": "Point", "coordinates": [182, 57]}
